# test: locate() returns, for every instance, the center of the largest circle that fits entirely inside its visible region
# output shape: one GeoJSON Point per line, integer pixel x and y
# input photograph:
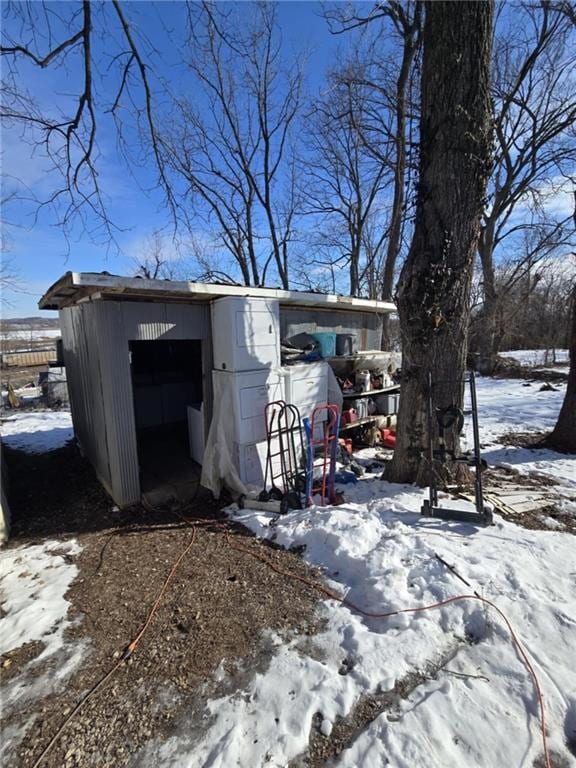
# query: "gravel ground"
{"type": "Point", "coordinates": [215, 615]}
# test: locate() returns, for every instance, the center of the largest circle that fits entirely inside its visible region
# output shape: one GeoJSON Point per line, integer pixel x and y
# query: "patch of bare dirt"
{"type": "Point", "coordinates": [323, 749]}
{"type": "Point", "coordinates": [217, 613]}
{"type": "Point", "coordinates": [12, 662]}
{"type": "Point", "coordinates": [556, 760]}
{"type": "Point", "coordinates": [514, 370]}
{"type": "Point", "coordinates": [523, 439]}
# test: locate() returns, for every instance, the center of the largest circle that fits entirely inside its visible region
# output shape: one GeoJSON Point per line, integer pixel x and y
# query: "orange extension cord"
{"type": "Point", "coordinates": [194, 522]}
{"type": "Point", "coordinates": [130, 648]}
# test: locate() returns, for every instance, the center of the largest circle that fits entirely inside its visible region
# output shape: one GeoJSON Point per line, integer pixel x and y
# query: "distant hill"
{"type": "Point", "coordinates": [28, 323]}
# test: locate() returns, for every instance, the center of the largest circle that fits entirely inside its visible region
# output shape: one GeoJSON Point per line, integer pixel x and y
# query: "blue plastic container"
{"type": "Point", "coordinates": [327, 343]}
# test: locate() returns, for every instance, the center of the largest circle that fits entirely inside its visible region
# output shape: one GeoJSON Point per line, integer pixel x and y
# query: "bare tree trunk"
{"type": "Point", "coordinates": [455, 164]}
{"type": "Point", "coordinates": [411, 41]}
{"type": "Point", "coordinates": [563, 436]}
{"type": "Point", "coordinates": [487, 346]}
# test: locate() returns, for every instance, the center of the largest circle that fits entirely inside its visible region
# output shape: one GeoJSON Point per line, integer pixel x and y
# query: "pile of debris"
{"type": "Point", "coordinates": [531, 501]}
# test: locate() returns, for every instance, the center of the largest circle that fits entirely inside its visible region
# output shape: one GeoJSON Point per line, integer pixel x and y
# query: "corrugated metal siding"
{"type": "Point", "coordinates": [95, 338]}
{"type": "Point", "coordinates": [187, 322]}
{"type": "Point", "coordinates": [82, 359]}
{"type": "Point", "coordinates": [366, 326]}
{"type": "Point", "coordinates": [142, 322]}
{"type": "Point", "coordinates": [149, 322]}
{"type": "Point", "coordinates": [118, 403]}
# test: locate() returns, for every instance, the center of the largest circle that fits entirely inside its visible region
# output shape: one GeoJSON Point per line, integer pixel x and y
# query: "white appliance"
{"type": "Point", "coordinates": [251, 462]}
{"type": "Point", "coordinates": [196, 432]}
{"type": "Point", "coordinates": [306, 386]}
{"type": "Point", "coordinates": [245, 334]}
{"type": "Point", "coordinates": [250, 392]}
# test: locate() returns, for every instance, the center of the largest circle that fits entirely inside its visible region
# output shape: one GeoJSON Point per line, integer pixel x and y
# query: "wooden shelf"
{"type": "Point", "coordinates": [393, 388]}
{"type": "Point", "coordinates": [360, 422]}
{"type": "Point", "coordinates": [360, 355]}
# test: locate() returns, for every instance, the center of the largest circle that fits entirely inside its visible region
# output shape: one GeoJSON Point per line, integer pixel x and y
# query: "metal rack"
{"type": "Point", "coordinates": [393, 389]}
{"type": "Point", "coordinates": [445, 419]}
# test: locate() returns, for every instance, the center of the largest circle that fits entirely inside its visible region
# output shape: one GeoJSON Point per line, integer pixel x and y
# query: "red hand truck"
{"type": "Point", "coordinates": [322, 452]}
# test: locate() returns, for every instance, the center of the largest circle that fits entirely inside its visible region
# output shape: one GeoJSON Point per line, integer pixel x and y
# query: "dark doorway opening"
{"type": "Point", "coordinates": [166, 381]}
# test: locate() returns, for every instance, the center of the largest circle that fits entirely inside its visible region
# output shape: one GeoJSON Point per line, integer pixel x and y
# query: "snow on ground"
{"type": "Point", "coordinates": [481, 709]}
{"type": "Point", "coordinates": [537, 357]}
{"type": "Point", "coordinates": [33, 582]}
{"type": "Point", "coordinates": [36, 431]}
{"type": "Point", "coordinates": [35, 334]}
{"type": "Point", "coordinates": [557, 369]}
{"type": "Point", "coordinates": [378, 552]}
{"type": "Point", "coordinates": [513, 405]}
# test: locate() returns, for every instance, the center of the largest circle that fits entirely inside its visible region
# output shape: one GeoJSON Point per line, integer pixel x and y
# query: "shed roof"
{"type": "Point", "coordinates": [74, 287]}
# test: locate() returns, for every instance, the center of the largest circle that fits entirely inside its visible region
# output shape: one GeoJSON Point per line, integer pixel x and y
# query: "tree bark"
{"type": "Point", "coordinates": [455, 164]}
{"type": "Point", "coordinates": [563, 436]}
{"type": "Point", "coordinates": [411, 41]}
{"type": "Point", "coordinates": [486, 335]}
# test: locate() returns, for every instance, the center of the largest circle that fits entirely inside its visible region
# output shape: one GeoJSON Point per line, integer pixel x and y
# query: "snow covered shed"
{"type": "Point", "coordinates": [144, 358]}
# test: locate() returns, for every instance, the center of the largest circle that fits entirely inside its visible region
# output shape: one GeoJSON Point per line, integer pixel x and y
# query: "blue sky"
{"type": "Point", "coordinates": [37, 249]}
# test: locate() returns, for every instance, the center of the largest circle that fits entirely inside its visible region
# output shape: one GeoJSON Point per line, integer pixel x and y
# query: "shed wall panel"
{"type": "Point", "coordinates": [118, 403]}
{"type": "Point", "coordinates": [367, 327]}
{"type": "Point", "coordinates": [141, 321]}
{"type": "Point", "coordinates": [151, 322]}
{"type": "Point", "coordinates": [96, 338]}
{"type": "Point", "coordinates": [82, 359]}
{"type": "Point", "coordinates": [188, 322]}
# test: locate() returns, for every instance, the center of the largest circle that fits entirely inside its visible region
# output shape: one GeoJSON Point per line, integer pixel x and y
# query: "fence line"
{"type": "Point", "coordinates": [29, 357]}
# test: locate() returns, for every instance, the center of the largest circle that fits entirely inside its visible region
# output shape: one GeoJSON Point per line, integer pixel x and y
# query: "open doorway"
{"type": "Point", "coordinates": [166, 380]}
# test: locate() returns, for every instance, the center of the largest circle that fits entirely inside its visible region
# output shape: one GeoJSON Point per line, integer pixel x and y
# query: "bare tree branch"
{"type": "Point", "coordinates": [235, 153]}
{"type": "Point", "coordinates": [534, 91]}
{"type": "Point", "coordinates": [64, 130]}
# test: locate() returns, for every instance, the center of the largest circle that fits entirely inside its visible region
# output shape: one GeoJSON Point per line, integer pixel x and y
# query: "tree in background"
{"type": "Point", "coordinates": [455, 165]}
{"type": "Point", "coordinates": [534, 93]}
{"type": "Point", "coordinates": [563, 436]}
{"type": "Point", "coordinates": [342, 188]}
{"type": "Point", "coordinates": [222, 157]}
{"type": "Point", "coordinates": [383, 80]}
{"type": "Point", "coordinates": [232, 146]}
{"type": "Point", "coordinates": [221, 133]}
{"type": "Point", "coordinates": [155, 263]}
{"type": "Point", "coordinates": [538, 307]}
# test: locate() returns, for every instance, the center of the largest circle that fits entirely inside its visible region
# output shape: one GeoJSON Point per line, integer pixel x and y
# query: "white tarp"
{"type": "Point", "coordinates": [219, 468]}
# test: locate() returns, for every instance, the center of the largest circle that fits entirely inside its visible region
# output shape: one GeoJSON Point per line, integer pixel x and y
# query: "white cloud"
{"type": "Point", "coordinates": [556, 196]}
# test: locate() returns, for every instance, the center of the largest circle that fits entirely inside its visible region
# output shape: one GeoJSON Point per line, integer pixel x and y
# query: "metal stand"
{"type": "Point", "coordinates": [446, 418]}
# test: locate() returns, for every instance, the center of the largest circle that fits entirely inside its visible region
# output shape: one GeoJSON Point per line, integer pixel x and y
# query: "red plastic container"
{"type": "Point", "coordinates": [350, 416]}
{"type": "Point", "coordinates": [388, 438]}
{"type": "Point", "coordinates": [346, 442]}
